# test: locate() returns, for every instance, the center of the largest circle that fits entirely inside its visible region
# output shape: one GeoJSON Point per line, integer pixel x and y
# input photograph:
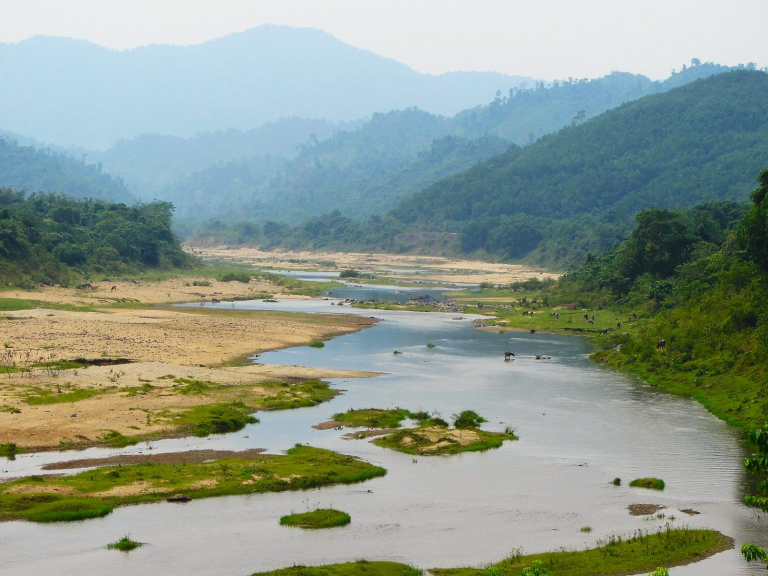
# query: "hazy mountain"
{"type": "Point", "coordinates": [149, 162]}
{"type": "Point", "coordinates": [359, 172]}
{"type": "Point", "coordinates": [33, 170]}
{"type": "Point", "coordinates": [74, 92]}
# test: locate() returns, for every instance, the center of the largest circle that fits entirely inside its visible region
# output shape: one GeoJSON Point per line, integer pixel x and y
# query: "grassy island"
{"type": "Point", "coordinates": [359, 568]}
{"type": "Point", "coordinates": [95, 493]}
{"type": "Point", "coordinates": [317, 519]}
{"type": "Point", "coordinates": [650, 483]}
{"type": "Point", "coordinates": [640, 553]}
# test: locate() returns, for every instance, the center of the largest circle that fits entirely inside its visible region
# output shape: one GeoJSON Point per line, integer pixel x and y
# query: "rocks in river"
{"type": "Point", "coordinates": [644, 509]}
{"type": "Point", "coordinates": [179, 498]}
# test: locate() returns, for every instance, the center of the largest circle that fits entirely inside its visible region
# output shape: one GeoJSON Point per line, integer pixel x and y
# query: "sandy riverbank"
{"type": "Point", "coordinates": [161, 343]}
{"type": "Point", "coordinates": [432, 268]}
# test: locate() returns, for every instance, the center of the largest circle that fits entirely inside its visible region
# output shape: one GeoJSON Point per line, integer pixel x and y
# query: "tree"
{"type": "Point", "coordinates": [758, 464]}
{"type": "Point", "coordinates": [753, 232]}
{"type": "Point", "coordinates": [695, 62]}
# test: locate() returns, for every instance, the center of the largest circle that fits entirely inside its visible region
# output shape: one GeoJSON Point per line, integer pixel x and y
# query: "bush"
{"type": "Point", "coordinates": [243, 277]}
{"type": "Point", "coordinates": [650, 483]}
{"type": "Point", "coordinates": [468, 419]}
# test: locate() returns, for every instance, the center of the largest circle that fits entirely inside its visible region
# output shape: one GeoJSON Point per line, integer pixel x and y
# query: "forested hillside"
{"type": "Point", "coordinates": [699, 142]}
{"type": "Point", "coordinates": [55, 239]}
{"type": "Point", "coordinates": [529, 112]}
{"type": "Point", "coordinates": [25, 168]}
{"type": "Point", "coordinates": [358, 173]}
{"type": "Point", "coordinates": [693, 286]}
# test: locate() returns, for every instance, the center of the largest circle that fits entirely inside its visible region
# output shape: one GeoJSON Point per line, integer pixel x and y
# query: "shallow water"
{"type": "Point", "coordinates": [580, 425]}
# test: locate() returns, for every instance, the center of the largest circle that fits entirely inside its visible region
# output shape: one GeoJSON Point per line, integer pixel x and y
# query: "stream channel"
{"type": "Point", "coordinates": [580, 425]}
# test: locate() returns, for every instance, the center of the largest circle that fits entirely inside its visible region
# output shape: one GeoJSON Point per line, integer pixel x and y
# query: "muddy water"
{"type": "Point", "coordinates": [580, 426]}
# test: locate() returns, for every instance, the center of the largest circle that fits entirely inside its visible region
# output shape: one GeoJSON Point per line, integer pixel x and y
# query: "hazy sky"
{"type": "Point", "coordinates": [540, 38]}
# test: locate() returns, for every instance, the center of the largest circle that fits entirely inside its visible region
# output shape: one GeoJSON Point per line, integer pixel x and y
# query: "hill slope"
{"type": "Point", "coordinates": [73, 92]}
{"type": "Point", "coordinates": [699, 142]}
{"type": "Point", "coordinates": [359, 173]}
{"type": "Point", "coordinates": [24, 168]}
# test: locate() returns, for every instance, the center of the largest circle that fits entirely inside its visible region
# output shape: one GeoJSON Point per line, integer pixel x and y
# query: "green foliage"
{"type": "Point", "coordinates": [10, 450]}
{"type": "Point", "coordinates": [125, 544]}
{"type": "Point", "coordinates": [81, 496]}
{"type": "Point", "coordinates": [753, 234]}
{"type": "Point", "coordinates": [209, 419]}
{"type": "Point", "coordinates": [758, 464]}
{"type": "Point", "coordinates": [645, 153]}
{"type": "Point", "coordinates": [537, 568]}
{"type": "Point", "coordinates": [359, 568]}
{"type": "Point", "coordinates": [615, 555]}
{"type": "Point", "coordinates": [46, 238]}
{"type": "Point", "coordinates": [468, 419]}
{"type": "Point", "coordinates": [373, 417]}
{"type": "Point", "coordinates": [317, 519]}
{"type": "Point", "coordinates": [651, 483]}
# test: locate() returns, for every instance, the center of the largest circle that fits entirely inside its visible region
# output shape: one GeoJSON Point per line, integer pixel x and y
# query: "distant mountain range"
{"type": "Point", "coordinates": [72, 92]}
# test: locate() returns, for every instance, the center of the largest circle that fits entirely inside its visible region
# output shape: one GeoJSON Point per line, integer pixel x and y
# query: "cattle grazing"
{"type": "Point", "coordinates": [618, 325]}
{"type": "Point", "coordinates": [508, 355]}
{"type": "Point", "coordinates": [84, 286]}
{"type": "Point", "coordinates": [215, 300]}
{"type": "Point", "coordinates": [661, 345]}
{"type": "Point", "coordinates": [113, 288]}
{"type": "Point", "coordinates": [603, 330]}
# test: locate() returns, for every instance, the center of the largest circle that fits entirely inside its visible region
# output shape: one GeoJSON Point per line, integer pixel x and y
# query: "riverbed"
{"type": "Point", "coordinates": [580, 426]}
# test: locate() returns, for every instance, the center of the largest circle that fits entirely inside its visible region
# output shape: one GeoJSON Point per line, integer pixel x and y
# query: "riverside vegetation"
{"type": "Point", "coordinates": [95, 493]}
{"type": "Point", "coordinates": [317, 519]}
{"type": "Point", "coordinates": [433, 435]}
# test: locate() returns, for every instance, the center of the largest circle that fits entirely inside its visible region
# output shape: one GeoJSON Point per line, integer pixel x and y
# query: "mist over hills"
{"type": "Point", "coordinates": [73, 92]}
{"type": "Point", "coordinates": [33, 170]}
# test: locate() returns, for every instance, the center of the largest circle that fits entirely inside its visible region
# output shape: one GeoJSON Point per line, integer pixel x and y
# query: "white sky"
{"type": "Point", "coordinates": [541, 38]}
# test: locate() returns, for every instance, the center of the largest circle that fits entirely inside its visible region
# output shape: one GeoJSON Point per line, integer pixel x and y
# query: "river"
{"type": "Point", "coordinates": [580, 425]}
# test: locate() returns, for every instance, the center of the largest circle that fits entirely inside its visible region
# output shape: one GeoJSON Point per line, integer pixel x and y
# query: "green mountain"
{"type": "Point", "coordinates": [25, 168]}
{"type": "Point", "coordinates": [699, 142]}
{"type": "Point", "coordinates": [527, 113]}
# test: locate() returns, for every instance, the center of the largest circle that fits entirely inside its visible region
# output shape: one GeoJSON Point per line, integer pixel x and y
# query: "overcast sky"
{"type": "Point", "coordinates": [541, 38]}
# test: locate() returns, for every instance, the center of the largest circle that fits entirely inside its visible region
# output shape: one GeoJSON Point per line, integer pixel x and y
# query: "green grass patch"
{"type": "Point", "coordinates": [468, 419]}
{"type": "Point", "coordinates": [317, 519]}
{"type": "Point", "coordinates": [10, 450]}
{"type": "Point", "coordinates": [12, 304]}
{"type": "Point", "coordinates": [651, 483]}
{"type": "Point", "coordinates": [215, 418]}
{"type": "Point", "coordinates": [191, 387]}
{"type": "Point", "coordinates": [115, 439]}
{"type": "Point", "coordinates": [359, 568]}
{"type": "Point", "coordinates": [373, 417]}
{"type": "Point", "coordinates": [75, 497]}
{"type": "Point", "coordinates": [317, 345]}
{"type": "Point", "coordinates": [125, 544]}
{"type": "Point", "coordinates": [639, 553]}
{"type": "Point", "coordinates": [40, 396]}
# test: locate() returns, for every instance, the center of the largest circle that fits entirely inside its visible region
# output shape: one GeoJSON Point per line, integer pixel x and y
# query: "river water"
{"type": "Point", "coordinates": [580, 425]}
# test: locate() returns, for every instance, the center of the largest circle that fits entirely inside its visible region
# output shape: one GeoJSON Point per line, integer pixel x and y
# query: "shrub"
{"type": "Point", "coordinates": [468, 419]}
{"type": "Point", "coordinates": [651, 483]}
{"type": "Point", "coordinates": [125, 544]}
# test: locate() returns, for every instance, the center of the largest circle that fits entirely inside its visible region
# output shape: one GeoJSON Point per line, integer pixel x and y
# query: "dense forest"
{"type": "Point", "coordinates": [694, 286]}
{"type": "Point", "coordinates": [571, 193]}
{"type": "Point", "coordinates": [696, 143]}
{"type": "Point", "coordinates": [527, 113]}
{"type": "Point", "coordinates": [54, 239]}
{"type": "Point", "coordinates": [26, 168]}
